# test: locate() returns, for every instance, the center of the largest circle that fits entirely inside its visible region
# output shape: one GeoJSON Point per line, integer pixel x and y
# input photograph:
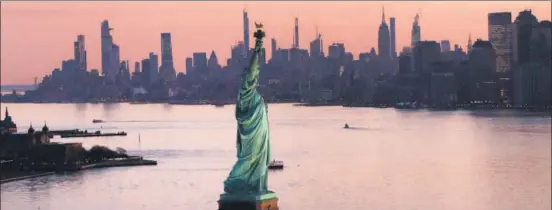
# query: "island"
{"type": "Point", "coordinates": [32, 154]}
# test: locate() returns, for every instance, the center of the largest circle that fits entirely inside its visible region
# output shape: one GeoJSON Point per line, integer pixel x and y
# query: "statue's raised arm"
{"type": "Point", "coordinates": [248, 91]}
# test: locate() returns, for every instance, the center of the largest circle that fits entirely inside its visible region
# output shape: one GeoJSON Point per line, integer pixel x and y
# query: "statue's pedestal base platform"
{"type": "Point", "coordinates": [267, 201]}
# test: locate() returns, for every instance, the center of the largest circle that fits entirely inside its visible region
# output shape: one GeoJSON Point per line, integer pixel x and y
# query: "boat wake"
{"type": "Point", "coordinates": [357, 128]}
{"type": "Point", "coordinates": [168, 153]}
{"type": "Point", "coordinates": [137, 121]}
{"type": "Point", "coordinates": [204, 169]}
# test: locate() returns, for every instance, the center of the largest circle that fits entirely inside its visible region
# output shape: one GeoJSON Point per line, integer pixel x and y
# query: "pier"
{"type": "Point", "coordinates": [94, 134]}
{"type": "Point", "coordinates": [75, 133]}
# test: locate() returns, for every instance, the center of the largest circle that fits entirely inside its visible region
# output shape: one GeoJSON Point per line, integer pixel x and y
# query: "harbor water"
{"type": "Point", "coordinates": [388, 159]}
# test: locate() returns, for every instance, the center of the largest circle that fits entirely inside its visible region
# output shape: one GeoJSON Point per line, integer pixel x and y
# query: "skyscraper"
{"type": "Point", "coordinates": [425, 53]}
{"type": "Point", "coordinates": [115, 60]}
{"type": "Point", "coordinates": [237, 51]}
{"type": "Point", "coordinates": [154, 67]}
{"type": "Point", "coordinates": [445, 45]}
{"type": "Point", "coordinates": [108, 69]}
{"type": "Point", "coordinates": [523, 29]}
{"type": "Point", "coordinates": [189, 65]}
{"type": "Point", "coordinates": [392, 36]}
{"type": "Point", "coordinates": [316, 47]}
{"type": "Point", "coordinates": [246, 32]}
{"type": "Point", "coordinates": [137, 67]}
{"type": "Point", "coordinates": [532, 79]}
{"type": "Point", "coordinates": [336, 50]}
{"type": "Point", "coordinates": [482, 73]}
{"type": "Point", "coordinates": [274, 48]}
{"type": "Point", "coordinates": [80, 53]}
{"type": "Point", "coordinates": [146, 71]}
{"type": "Point", "coordinates": [500, 36]}
{"type": "Point", "coordinates": [200, 61]}
{"type": "Point", "coordinates": [212, 63]}
{"type": "Point", "coordinates": [384, 46]}
{"type": "Point", "coordinates": [124, 73]}
{"type": "Point", "coordinates": [296, 34]}
{"type": "Point", "coordinates": [470, 44]}
{"type": "Point", "coordinates": [416, 31]}
{"type": "Point", "coordinates": [168, 73]}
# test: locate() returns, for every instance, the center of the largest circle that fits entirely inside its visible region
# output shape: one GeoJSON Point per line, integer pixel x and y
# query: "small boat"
{"type": "Point", "coordinates": [276, 164]}
{"type": "Point", "coordinates": [219, 105]}
{"type": "Point", "coordinates": [346, 126]}
{"type": "Point", "coordinates": [97, 121]}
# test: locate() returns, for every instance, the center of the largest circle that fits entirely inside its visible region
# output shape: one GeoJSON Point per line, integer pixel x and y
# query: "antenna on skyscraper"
{"type": "Point", "coordinates": [382, 14]}
{"type": "Point", "coordinates": [317, 34]}
{"type": "Point", "coordinates": [293, 41]}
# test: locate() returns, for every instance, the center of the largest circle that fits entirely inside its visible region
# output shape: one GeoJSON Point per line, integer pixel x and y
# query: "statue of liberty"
{"type": "Point", "coordinates": [248, 179]}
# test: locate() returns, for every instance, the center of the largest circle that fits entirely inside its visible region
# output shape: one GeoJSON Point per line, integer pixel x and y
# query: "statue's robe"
{"type": "Point", "coordinates": [249, 174]}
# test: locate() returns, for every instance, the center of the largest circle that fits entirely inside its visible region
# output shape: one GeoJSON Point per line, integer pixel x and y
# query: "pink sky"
{"type": "Point", "coordinates": [37, 36]}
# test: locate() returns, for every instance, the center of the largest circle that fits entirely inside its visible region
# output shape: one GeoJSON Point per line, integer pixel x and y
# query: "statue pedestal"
{"type": "Point", "coordinates": [268, 201]}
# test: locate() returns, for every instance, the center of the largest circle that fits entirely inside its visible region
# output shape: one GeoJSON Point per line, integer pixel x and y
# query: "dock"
{"type": "Point", "coordinates": [75, 133]}
{"type": "Point", "coordinates": [95, 134]}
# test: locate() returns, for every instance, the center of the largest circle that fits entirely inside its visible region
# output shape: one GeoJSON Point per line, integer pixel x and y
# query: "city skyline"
{"type": "Point", "coordinates": [51, 27]}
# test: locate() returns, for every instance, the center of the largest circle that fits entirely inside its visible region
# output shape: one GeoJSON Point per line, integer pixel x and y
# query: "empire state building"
{"type": "Point", "coordinates": [384, 43]}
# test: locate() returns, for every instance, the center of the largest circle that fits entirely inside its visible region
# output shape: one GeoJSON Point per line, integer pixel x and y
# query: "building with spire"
{"type": "Point", "coordinates": [470, 44]}
{"type": "Point", "coordinates": [384, 44]}
{"type": "Point", "coordinates": [109, 63]}
{"type": "Point", "coordinates": [296, 34]}
{"type": "Point", "coordinates": [392, 37]}
{"type": "Point", "coordinates": [416, 31]}
{"type": "Point", "coordinates": [212, 63]}
{"type": "Point", "coordinates": [7, 125]}
{"type": "Point", "coordinates": [316, 47]}
{"type": "Point", "coordinates": [245, 32]}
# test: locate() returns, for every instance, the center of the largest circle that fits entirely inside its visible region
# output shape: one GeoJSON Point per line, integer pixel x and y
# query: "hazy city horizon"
{"type": "Point", "coordinates": [350, 105]}
{"type": "Point", "coordinates": [47, 48]}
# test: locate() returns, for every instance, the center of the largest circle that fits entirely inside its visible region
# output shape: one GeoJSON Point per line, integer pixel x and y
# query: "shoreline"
{"type": "Point", "coordinates": [303, 104]}
{"type": "Point", "coordinates": [22, 175]}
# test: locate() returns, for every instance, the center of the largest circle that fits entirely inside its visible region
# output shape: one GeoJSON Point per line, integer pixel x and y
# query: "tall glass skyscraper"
{"type": "Point", "coordinates": [500, 35]}
{"type": "Point", "coordinates": [168, 73]}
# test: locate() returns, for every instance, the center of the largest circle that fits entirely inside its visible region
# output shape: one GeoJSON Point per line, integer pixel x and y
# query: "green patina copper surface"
{"type": "Point", "coordinates": [248, 178]}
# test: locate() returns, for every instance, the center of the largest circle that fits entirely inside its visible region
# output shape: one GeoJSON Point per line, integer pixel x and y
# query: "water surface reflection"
{"type": "Point", "coordinates": [395, 159]}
